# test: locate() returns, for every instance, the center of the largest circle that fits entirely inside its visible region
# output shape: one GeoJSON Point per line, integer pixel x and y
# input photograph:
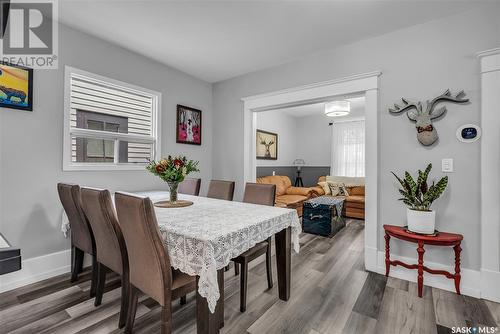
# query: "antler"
{"type": "Point", "coordinates": [446, 96]}
{"type": "Point", "coordinates": [262, 141]}
{"type": "Point", "coordinates": [407, 106]}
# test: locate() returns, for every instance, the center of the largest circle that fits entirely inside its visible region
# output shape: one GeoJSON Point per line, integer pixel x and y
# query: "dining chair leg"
{"type": "Point", "coordinates": [269, 268]}
{"type": "Point", "coordinates": [236, 269]}
{"type": "Point", "coordinates": [131, 309]}
{"type": "Point", "coordinates": [77, 263]}
{"type": "Point", "coordinates": [101, 280]}
{"type": "Point", "coordinates": [93, 283]}
{"type": "Point", "coordinates": [166, 319]}
{"type": "Point", "coordinates": [72, 260]}
{"type": "Point", "coordinates": [243, 286]}
{"type": "Point", "coordinates": [183, 300]}
{"type": "Point", "coordinates": [124, 301]}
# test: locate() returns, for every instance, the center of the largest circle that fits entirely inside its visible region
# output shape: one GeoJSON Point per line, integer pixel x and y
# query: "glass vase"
{"type": "Point", "coordinates": [173, 190]}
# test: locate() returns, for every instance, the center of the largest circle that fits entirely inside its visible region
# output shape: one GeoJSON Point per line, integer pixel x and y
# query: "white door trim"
{"type": "Point", "coordinates": [490, 178]}
{"type": "Point", "coordinates": [367, 84]}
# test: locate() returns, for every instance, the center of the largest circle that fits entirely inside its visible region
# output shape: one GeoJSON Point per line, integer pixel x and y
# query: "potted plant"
{"type": "Point", "coordinates": [418, 196]}
{"type": "Point", "coordinates": [173, 170]}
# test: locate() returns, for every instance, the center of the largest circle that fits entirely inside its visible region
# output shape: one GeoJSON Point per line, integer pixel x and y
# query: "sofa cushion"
{"type": "Point", "coordinates": [354, 205]}
{"type": "Point", "coordinates": [356, 190]}
{"type": "Point", "coordinates": [325, 187]}
{"type": "Point", "coordinates": [348, 180]}
{"type": "Point", "coordinates": [356, 199]}
{"type": "Point", "coordinates": [281, 182]}
{"type": "Point", "coordinates": [299, 191]}
{"type": "Point", "coordinates": [290, 199]}
{"type": "Point", "coordinates": [317, 191]}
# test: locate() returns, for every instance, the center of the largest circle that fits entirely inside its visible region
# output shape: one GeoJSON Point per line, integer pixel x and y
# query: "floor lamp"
{"type": "Point", "coordinates": [298, 180]}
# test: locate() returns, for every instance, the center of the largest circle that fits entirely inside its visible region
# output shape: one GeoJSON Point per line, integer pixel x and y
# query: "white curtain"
{"type": "Point", "coordinates": [348, 149]}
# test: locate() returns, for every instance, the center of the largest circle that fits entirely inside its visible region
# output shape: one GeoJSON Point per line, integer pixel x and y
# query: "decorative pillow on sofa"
{"type": "Point", "coordinates": [343, 189]}
{"type": "Point", "coordinates": [334, 188]}
{"type": "Point", "coordinates": [338, 189]}
{"type": "Point", "coordinates": [326, 187]}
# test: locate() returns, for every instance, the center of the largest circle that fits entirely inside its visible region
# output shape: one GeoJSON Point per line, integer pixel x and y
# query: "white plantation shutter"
{"type": "Point", "coordinates": [106, 100]}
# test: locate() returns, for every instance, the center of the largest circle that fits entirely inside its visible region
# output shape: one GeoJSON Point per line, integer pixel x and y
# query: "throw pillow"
{"type": "Point", "coordinates": [334, 188]}
{"type": "Point", "coordinates": [325, 187]}
{"type": "Point", "coordinates": [343, 190]}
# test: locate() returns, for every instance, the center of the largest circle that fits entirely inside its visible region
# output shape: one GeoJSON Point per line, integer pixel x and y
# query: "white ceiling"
{"type": "Point", "coordinates": [217, 40]}
{"type": "Point", "coordinates": [357, 110]}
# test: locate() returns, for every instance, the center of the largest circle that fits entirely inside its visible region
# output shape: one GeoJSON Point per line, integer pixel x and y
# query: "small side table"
{"type": "Point", "coordinates": [441, 239]}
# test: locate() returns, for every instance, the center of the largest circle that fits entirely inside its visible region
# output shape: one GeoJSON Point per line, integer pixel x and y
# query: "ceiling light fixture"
{"type": "Point", "coordinates": [337, 108]}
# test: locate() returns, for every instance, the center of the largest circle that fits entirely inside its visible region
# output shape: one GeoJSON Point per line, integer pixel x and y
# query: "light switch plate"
{"type": "Point", "coordinates": [447, 165]}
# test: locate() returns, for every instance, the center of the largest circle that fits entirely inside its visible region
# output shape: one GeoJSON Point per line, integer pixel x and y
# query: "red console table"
{"type": "Point", "coordinates": [441, 239]}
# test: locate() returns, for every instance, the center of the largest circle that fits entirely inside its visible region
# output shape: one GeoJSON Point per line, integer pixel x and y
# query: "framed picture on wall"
{"type": "Point", "coordinates": [267, 145]}
{"type": "Point", "coordinates": [16, 87]}
{"type": "Point", "coordinates": [188, 125]}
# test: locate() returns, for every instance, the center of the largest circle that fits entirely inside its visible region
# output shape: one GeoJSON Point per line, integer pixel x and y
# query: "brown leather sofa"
{"type": "Point", "coordinates": [287, 195]}
{"type": "Point", "coordinates": [354, 204]}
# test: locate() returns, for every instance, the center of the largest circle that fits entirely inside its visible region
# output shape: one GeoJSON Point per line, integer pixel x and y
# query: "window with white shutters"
{"type": "Point", "coordinates": [108, 124]}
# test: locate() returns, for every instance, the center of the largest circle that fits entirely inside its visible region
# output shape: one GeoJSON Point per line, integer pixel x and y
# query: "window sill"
{"type": "Point", "coordinates": [102, 167]}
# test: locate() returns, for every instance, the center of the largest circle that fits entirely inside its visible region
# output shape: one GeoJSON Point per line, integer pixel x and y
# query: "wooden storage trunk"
{"type": "Point", "coordinates": [322, 219]}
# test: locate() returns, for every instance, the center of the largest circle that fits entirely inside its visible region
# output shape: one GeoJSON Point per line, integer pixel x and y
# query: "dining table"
{"type": "Point", "coordinates": [201, 239]}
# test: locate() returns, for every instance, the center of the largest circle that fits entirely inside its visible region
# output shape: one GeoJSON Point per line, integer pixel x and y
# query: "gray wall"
{"type": "Point", "coordinates": [306, 137]}
{"type": "Point", "coordinates": [314, 139]}
{"type": "Point", "coordinates": [418, 62]}
{"type": "Point", "coordinates": [286, 128]}
{"type": "Point", "coordinates": [31, 142]}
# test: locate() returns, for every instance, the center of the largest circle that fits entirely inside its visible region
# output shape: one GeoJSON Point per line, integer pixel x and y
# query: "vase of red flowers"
{"type": "Point", "coordinates": [173, 171]}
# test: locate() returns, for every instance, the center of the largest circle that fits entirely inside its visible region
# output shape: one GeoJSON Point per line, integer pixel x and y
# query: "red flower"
{"type": "Point", "coordinates": [178, 162]}
{"type": "Point", "coordinates": [160, 168]}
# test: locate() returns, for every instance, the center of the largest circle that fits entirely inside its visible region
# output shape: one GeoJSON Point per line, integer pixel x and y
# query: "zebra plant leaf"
{"type": "Point", "coordinates": [418, 195]}
{"type": "Point", "coordinates": [411, 183]}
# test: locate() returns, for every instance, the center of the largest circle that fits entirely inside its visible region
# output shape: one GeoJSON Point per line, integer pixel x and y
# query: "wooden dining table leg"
{"type": "Point", "coordinates": [284, 261]}
{"type": "Point", "coordinates": [220, 303]}
{"type": "Point", "coordinates": [206, 321]}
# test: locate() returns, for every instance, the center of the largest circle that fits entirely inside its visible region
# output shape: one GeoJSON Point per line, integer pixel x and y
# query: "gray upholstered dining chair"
{"type": "Point", "coordinates": [149, 262]}
{"type": "Point", "coordinates": [82, 238]}
{"type": "Point", "coordinates": [110, 244]}
{"type": "Point", "coordinates": [221, 190]}
{"type": "Point", "coordinates": [263, 194]}
{"type": "Point", "coordinates": [190, 187]}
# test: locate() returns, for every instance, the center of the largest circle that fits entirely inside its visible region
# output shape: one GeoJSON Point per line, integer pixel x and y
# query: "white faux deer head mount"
{"type": "Point", "coordinates": [426, 132]}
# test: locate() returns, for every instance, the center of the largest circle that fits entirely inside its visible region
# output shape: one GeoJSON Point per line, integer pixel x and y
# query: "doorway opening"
{"type": "Point", "coordinates": [364, 86]}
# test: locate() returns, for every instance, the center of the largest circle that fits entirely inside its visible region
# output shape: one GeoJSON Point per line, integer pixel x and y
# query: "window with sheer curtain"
{"type": "Point", "coordinates": [348, 148]}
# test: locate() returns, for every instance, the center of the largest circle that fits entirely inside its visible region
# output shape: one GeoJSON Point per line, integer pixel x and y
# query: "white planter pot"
{"type": "Point", "coordinates": [422, 222]}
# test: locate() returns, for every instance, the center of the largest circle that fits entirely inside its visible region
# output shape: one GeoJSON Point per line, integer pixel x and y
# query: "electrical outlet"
{"type": "Point", "coordinates": [274, 172]}
{"type": "Point", "coordinates": [447, 165]}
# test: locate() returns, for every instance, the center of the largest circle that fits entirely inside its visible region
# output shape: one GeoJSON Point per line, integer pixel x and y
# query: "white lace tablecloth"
{"type": "Point", "coordinates": [204, 237]}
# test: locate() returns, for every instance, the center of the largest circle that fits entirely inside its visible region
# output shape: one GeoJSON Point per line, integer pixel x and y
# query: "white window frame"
{"type": "Point", "coordinates": [154, 139]}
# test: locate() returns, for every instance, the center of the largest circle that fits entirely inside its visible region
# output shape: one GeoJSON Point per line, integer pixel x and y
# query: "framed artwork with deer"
{"type": "Point", "coordinates": [188, 125]}
{"type": "Point", "coordinates": [267, 145]}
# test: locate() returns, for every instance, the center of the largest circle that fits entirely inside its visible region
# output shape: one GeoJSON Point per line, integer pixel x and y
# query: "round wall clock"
{"type": "Point", "coordinates": [468, 133]}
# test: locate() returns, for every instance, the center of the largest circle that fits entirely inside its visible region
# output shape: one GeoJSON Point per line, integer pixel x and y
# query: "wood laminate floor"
{"type": "Point", "coordinates": [331, 293]}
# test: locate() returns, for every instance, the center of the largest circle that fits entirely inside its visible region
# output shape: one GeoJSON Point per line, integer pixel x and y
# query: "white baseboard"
{"type": "Point", "coordinates": [469, 284]}
{"type": "Point", "coordinates": [490, 281]}
{"type": "Point", "coordinates": [371, 259]}
{"type": "Point", "coordinates": [39, 268]}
